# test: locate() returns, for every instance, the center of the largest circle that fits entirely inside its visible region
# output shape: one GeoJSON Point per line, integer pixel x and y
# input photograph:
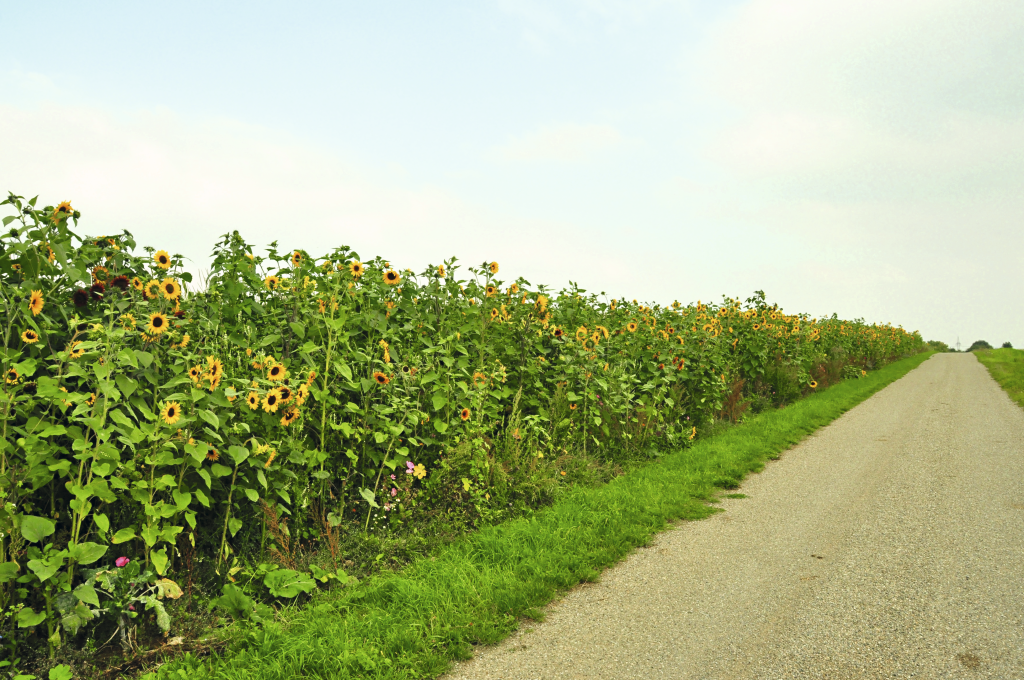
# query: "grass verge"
{"type": "Point", "coordinates": [413, 623]}
{"type": "Point", "coordinates": [1007, 368]}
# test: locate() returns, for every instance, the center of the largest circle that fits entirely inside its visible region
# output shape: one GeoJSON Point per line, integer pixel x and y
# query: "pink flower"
{"type": "Point", "coordinates": [408, 467]}
{"type": "Point", "coordinates": [392, 476]}
{"type": "Point", "coordinates": [394, 491]}
{"type": "Point", "coordinates": [121, 561]}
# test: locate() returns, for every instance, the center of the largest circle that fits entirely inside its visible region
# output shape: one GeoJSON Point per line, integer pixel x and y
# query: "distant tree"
{"type": "Point", "coordinates": [939, 346]}
{"type": "Point", "coordinates": [1007, 345]}
{"type": "Point", "coordinates": [979, 344]}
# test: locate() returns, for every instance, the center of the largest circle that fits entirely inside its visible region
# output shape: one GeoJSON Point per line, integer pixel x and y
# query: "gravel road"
{"type": "Point", "coordinates": [889, 544]}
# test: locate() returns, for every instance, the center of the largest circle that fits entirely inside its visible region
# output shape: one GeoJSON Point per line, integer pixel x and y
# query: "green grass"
{"type": "Point", "coordinates": [1007, 368]}
{"type": "Point", "coordinates": [413, 623]}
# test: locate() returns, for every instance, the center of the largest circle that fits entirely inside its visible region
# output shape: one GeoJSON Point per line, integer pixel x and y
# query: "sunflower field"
{"type": "Point", "coordinates": [165, 436]}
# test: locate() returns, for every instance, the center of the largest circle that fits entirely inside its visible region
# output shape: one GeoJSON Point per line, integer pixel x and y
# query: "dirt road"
{"type": "Point", "coordinates": [888, 545]}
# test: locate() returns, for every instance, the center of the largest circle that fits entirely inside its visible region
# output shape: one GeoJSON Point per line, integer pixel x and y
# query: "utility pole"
{"type": "Point", "coordinates": [958, 343]}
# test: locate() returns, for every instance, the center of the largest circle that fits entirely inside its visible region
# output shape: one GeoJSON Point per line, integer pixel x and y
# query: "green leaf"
{"type": "Point", "coordinates": [44, 569]}
{"type": "Point", "coordinates": [86, 553]}
{"type": "Point", "coordinates": [86, 593]}
{"type": "Point", "coordinates": [288, 583]}
{"type": "Point", "coordinates": [298, 329]}
{"type": "Point", "coordinates": [234, 524]}
{"type": "Point", "coordinates": [123, 536]}
{"type": "Point", "coordinates": [441, 427]}
{"type": "Point", "coordinates": [270, 340]}
{"type": "Point", "coordinates": [159, 560]}
{"type": "Point", "coordinates": [145, 358]}
{"type": "Point", "coordinates": [149, 534]}
{"type": "Point", "coordinates": [210, 417]}
{"type": "Point", "coordinates": [8, 571]}
{"type": "Point", "coordinates": [252, 495]}
{"type": "Point", "coordinates": [102, 522]}
{"type": "Point", "coordinates": [28, 618]}
{"type": "Point", "coordinates": [35, 529]}
{"type": "Point", "coordinates": [127, 385]}
{"type": "Point", "coordinates": [368, 497]}
{"type": "Point", "coordinates": [61, 672]}
{"type": "Point", "coordinates": [182, 499]}
{"type": "Point", "coordinates": [345, 371]}
{"type": "Point", "coordinates": [234, 601]}
{"type": "Point", "coordinates": [238, 454]}
{"type": "Point", "coordinates": [439, 400]}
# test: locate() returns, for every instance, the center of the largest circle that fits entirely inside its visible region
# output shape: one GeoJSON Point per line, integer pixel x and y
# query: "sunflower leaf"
{"type": "Point", "coordinates": [270, 340]}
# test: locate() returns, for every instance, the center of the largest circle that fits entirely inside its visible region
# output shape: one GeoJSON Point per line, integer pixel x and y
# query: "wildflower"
{"type": "Point", "coordinates": [271, 282]}
{"type": "Point", "coordinates": [119, 282]}
{"type": "Point", "coordinates": [572, 407]}
{"type": "Point", "coordinates": [542, 303]}
{"type": "Point", "coordinates": [213, 455]}
{"type": "Point", "coordinates": [290, 416]}
{"type": "Point", "coordinates": [74, 351]}
{"type": "Point", "coordinates": [394, 492]}
{"type": "Point", "coordinates": [581, 333]}
{"type": "Point", "coordinates": [631, 327]}
{"type": "Point", "coordinates": [494, 267]}
{"type": "Point", "coordinates": [136, 283]}
{"type": "Point", "coordinates": [96, 291]}
{"type": "Point", "coordinates": [311, 378]}
{"type": "Point", "coordinates": [121, 562]}
{"type": "Point", "coordinates": [465, 414]}
{"type": "Point", "coordinates": [195, 372]}
{"type": "Point", "coordinates": [276, 372]}
{"type": "Point", "coordinates": [356, 268]}
{"type": "Point", "coordinates": [100, 273]}
{"type": "Point", "coordinates": [557, 332]}
{"type": "Point", "coordinates": [64, 208]}
{"type": "Point", "coordinates": [693, 433]}
{"type": "Point", "coordinates": [479, 378]}
{"type": "Point", "coordinates": [184, 341]}
{"type": "Point", "coordinates": [296, 259]}
{"type": "Point", "coordinates": [170, 289]}
{"type": "Point", "coordinates": [157, 324]}
{"type": "Point", "coordinates": [381, 378]}
{"type": "Point", "coordinates": [272, 401]}
{"type": "Point", "coordinates": [286, 393]}
{"type": "Point", "coordinates": [29, 336]}
{"type": "Point", "coordinates": [253, 400]}
{"type": "Point", "coordinates": [813, 384]}
{"type": "Point", "coordinates": [162, 259]}
{"type": "Point", "coordinates": [214, 366]}
{"type": "Point", "coordinates": [12, 376]}
{"type": "Point", "coordinates": [440, 270]}
{"type": "Point", "coordinates": [171, 412]}
{"type": "Point", "coordinates": [491, 290]}
{"type": "Point", "coordinates": [35, 302]}
{"type": "Point", "coordinates": [409, 467]}
{"type": "Point", "coordinates": [392, 278]}
{"type": "Point", "coordinates": [152, 289]}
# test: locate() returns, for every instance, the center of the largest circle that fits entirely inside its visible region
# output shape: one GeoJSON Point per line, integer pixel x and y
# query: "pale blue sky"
{"type": "Point", "coordinates": [843, 156]}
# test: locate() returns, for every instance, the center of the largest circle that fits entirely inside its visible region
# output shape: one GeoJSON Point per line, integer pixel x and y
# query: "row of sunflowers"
{"type": "Point", "coordinates": [148, 419]}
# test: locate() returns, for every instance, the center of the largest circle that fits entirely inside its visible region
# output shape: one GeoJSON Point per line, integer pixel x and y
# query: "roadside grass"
{"type": "Point", "coordinates": [1006, 366]}
{"type": "Point", "coordinates": [415, 622]}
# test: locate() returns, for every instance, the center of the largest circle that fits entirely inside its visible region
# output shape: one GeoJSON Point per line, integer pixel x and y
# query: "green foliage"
{"type": "Point", "coordinates": [979, 344]}
{"type": "Point", "coordinates": [1007, 368]}
{"type": "Point", "coordinates": [149, 423]}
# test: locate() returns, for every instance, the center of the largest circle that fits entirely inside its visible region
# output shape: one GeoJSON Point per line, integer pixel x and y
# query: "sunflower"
{"type": "Point", "coordinates": [321, 306]}
{"type": "Point", "coordinates": [92, 399]}
{"type": "Point", "coordinates": [290, 416]}
{"type": "Point", "coordinates": [494, 313]}
{"type": "Point", "coordinates": [29, 336]}
{"type": "Point", "coordinates": [296, 259]}
{"type": "Point", "coordinates": [97, 290]}
{"type": "Point", "coordinates": [813, 384]}
{"type": "Point", "coordinates": [184, 341]}
{"type": "Point", "coordinates": [604, 331]}
{"type": "Point", "coordinates": [214, 366]}
{"type": "Point", "coordinates": [381, 378]}
{"type": "Point", "coordinates": [392, 278]}
{"type": "Point", "coordinates": [557, 332]}
{"type": "Point", "coordinates": [35, 302]}
{"type": "Point", "coordinates": [170, 288]}
{"type": "Point", "coordinates": [494, 267]}
{"type": "Point", "coordinates": [171, 412]}
{"type": "Point", "coordinates": [631, 326]}
{"type": "Point", "coordinates": [119, 282]}
{"type": "Point", "coordinates": [491, 290]}
{"type": "Point", "coordinates": [16, 267]}
{"type": "Point", "coordinates": [479, 378]}
{"type": "Point", "coordinates": [50, 255]}
{"type": "Point", "coordinates": [157, 324]}
{"type": "Point", "coordinates": [74, 351]}
{"type": "Point", "coordinates": [276, 372]}
{"type": "Point", "coordinates": [162, 259]}
{"type": "Point", "coordinates": [272, 401]}
{"type": "Point", "coordinates": [513, 289]}
{"type": "Point", "coordinates": [613, 304]}
{"type": "Point", "coordinates": [253, 400]}
{"type": "Point", "coordinates": [596, 337]}
{"type": "Point", "coordinates": [311, 377]}
{"type": "Point", "coordinates": [271, 282]}
{"type": "Point", "coordinates": [151, 290]}
{"type": "Point", "coordinates": [285, 392]}
{"type": "Point", "coordinates": [356, 268]}
{"type": "Point", "coordinates": [757, 326]}
{"type": "Point", "coordinates": [572, 407]}
{"type": "Point", "coordinates": [64, 208]}
{"type": "Point", "coordinates": [582, 333]}
{"type": "Point", "coordinates": [12, 376]}
{"type": "Point", "coordinates": [440, 270]}
{"type": "Point", "coordinates": [465, 414]}
{"type": "Point", "coordinates": [213, 455]}
{"type": "Point", "coordinates": [301, 395]}
{"type": "Point", "coordinates": [195, 373]}
{"type": "Point", "coordinates": [542, 303]}
{"type": "Point", "coordinates": [589, 344]}
{"type": "Point", "coordinates": [100, 274]}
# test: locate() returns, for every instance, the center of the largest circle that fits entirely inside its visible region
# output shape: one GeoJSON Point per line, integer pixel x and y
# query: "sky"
{"type": "Point", "coordinates": [861, 157]}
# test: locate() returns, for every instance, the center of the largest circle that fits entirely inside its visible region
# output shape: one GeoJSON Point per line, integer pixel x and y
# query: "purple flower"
{"type": "Point", "coordinates": [121, 561]}
{"type": "Point", "coordinates": [394, 491]}
{"type": "Point", "coordinates": [408, 467]}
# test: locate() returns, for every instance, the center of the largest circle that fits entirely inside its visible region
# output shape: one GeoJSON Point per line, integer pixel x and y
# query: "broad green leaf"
{"type": "Point", "coordinates": [368, 497]}
{"type": "Point", "coordinates": [238, 454]}
{"type": "Point", "coordinates": [234, 524]}
{"type": "Point", "coordinates": [252, 495]}
{"type": "Point", "coordinates": [123, 536]}
{"type": "Point", "coordinates": [86, 593]}
{"type": "Point", "coordinates": [270, 340]}
{"type": "Point", "coordinates": [8, 571]}
{"type": "Point", "coordinates": [440, 426]}
{"type": "Point", "coordinates": [298, 329]}
{"type": "Point", "coordinates": [86, 553]}
{"type": "Point", "coordinates": [150, 533]}
{"type": "Point", "coordinates": [102, 522]}
{"type": "Point", "coordinates": [127, 385]}
{"type": "Point", "coordinates": [35, 529]}
{"type": "Point", "coordinates": [44, 569]}
{"type": "Point", "coordinates": [61, 672]}
{"type": "Point", "coordinates": [28, 618]}
{"type": "Point", "coordinates": [210, 417]}
{"type": "Point", "coordinates": [159, 560]}
{"type": "Point", "coordinates": [145, 358]}
{"type": "Point", "coordinates": [439, 400]}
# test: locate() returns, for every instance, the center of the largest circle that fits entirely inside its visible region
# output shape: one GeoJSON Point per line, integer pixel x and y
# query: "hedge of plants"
{"type": "Point", "coordinates": [163, 434]}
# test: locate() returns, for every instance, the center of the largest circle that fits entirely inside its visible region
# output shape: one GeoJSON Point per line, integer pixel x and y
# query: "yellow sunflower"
{"type": "Point", "coordinates": [157, 323]}
{"type": "Point", "coordinates": [276, 372]}
{"type": "Point", "coordinates": [12, 376]}
{"type": "Point", "coordinates": [491, 290]}
{"type": "Point", "coordinates": [162, 259]}
{"type": "Point", "coordinates": [136, 283]}
{"type": "Point", "coordinates": [494, 267]}
{"type": "Point", "coordinates": [171, 412]}
{"type": "Point", "coordinates": [290, 416]}
{"type": "Point", "coordinates": [271, 282]}
{"type": "Point", "coordinates": [440, 270]}
{"type": "Point", "coordinates": [301, 395]}
{"type": "Point", "coordinates": [272, 401]}
{"type": "Point", "coordinates": [74, 351]}
{"type": "Point", "coordinates": [356, 268]}
{"type": "Point", "coordinates": [392, 278]}
{"type": "Point", "coordinates": [195, 373]}
{"type": "Point", "coordinates": [101, 274]}
{"type": "Point", "coordinates": [152, 289]}
{"type": "Point", "coordinates": [29, 336]}
{"type": "Point", "coordinates": [35, 302]}
{"type": "Point", "coordinates": [253, 400]}
{"type": "Point", "coordinates": [582, 333]}
{"type": "Point", "coordinates": [465, 414]}
{"type": "Point", "coordinates": [296, 259]}
{"type": "Point", "coordinates": [631, 327]}
{"type": "Point", "coordinates": [170, 288]}
{"type": "Point", "coordinates": [214, 366]}
{"type": "Point", "coordinates": [813, 384]}
{"type": "Point", "coordinates": [557, 332]}
{"type": "Point", "coordinates": [381, 378]}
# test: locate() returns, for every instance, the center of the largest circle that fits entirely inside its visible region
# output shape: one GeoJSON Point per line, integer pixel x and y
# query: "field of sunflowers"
{"type": "Point", "coordinates": [167, 439]}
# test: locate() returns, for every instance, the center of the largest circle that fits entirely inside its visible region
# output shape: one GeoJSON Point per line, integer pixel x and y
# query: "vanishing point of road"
{"type": "Point", "coordinates": [889, 544]}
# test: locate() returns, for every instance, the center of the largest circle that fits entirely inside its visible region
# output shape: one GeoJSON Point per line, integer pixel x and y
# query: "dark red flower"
{"type": "Point", "coordinates": [180, 313]}
{"type": "Point", "coordinates": [120, 282]}
{"type": "Point", "coordinates": [80, 298]}
{"type": "Point", "coordinates": [96, 291]}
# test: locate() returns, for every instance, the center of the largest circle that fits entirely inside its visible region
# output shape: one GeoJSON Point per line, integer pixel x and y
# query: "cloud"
{"type": "Point", "coordinates": [563, 143]}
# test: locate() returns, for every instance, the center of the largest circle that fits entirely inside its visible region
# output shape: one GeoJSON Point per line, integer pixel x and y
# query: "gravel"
{"type": "Point", "coordinates": [886, 545]}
